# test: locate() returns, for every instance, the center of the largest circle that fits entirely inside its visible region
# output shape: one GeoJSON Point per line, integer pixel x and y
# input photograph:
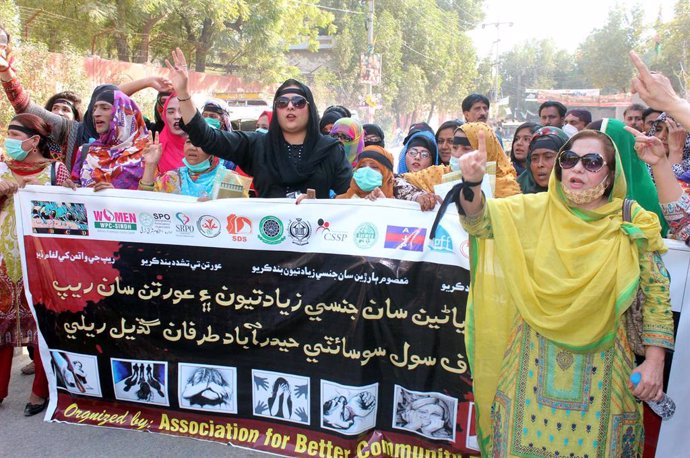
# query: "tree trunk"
{"type": "Point", "coordinates": [121, 33]}
{"type": "Point", "coordinates": [431, 112]}
{"type": "Point", "coordinates": [141, 54]}
{"type": "Point", "coordinates": [122, 47]}
{"type": "Point", "coordinates": [204, 45]}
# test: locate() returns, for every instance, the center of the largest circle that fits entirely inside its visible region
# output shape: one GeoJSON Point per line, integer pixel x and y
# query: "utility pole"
{"type": "Point", "coordinates": [370, 52]}
{"type": "Point", "coordinates": [498, 26]}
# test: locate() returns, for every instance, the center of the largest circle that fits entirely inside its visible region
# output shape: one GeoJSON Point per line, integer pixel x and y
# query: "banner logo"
{"type": "Point", "coordinates": [442, 242]}
{"type": "Point", "coordinates": [329, 234]}
{"type": "Point", "coordinates": [184, 228]}
{"type": "Point", "coordinates": [366, 235]}
{"type": "Point", "coordinates": [239, 225]}
{"type": "Point", "coordinates": [115, 221]}
{"type": "Point", "coordinates": [300, 231]}
{"type": "Point", "coordinates": [49, 217]}
{"type": "Point", "coordinates": [208, 226]}
{"type": "Point", "coordinates": [271, 230]}
{"type": "Point", "coordinates": [405, 238]}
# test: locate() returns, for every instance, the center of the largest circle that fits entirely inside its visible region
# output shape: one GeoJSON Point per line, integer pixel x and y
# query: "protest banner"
{"type": "Point", "coordinates": [324, 329]}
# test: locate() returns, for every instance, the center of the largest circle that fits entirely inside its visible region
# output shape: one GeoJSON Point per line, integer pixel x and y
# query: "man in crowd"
{"type": "Point", "coordinates": [552, 113]}
{"type": "Point", "coordinates": [475, 108]}
{"type": "Point", "coordinates": [648, 117]}
{"type": "Point", "coordinates": [632, 116]}
{"type": "Point", "coordinates": [578, 118]}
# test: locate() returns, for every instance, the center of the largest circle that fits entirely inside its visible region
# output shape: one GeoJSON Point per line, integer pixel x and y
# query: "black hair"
{"type": "Point", "coordinates": [472, 99]}
{"type": "Point", "coordinates": [634, 107]}
{"type": "Point", "coordinates": [532, 126]}
{"type": "Point", "coordinates": [71, 97]}
{"type": "Point", "coordinates": [649, 111]}
{"type": "Point", "coordinates": [452, 124]}
{"type": "Point", "coordinates": [562, 110]}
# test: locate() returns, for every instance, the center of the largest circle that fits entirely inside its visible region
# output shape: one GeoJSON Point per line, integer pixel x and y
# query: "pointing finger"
{"type": "Point", "coordinates": [481, 140]}
{"type": "Point", "coordinates": [640, 66]}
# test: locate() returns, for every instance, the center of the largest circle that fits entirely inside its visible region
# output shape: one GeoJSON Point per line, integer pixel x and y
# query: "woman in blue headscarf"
{"type": "Point", "coordinates": [419, 152]}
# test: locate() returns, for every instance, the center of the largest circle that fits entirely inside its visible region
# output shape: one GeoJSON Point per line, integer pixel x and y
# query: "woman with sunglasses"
{"type": "Point", "coordinates": [292, 157]}
{"type": "Point", "coordinates": [541, 157]}
{"type": "Point", "coordinates": [555, 357]}
{"type": "Point", "coordinates": [27, 160]}
{"type": "Point", "coordinates": [350, 133]}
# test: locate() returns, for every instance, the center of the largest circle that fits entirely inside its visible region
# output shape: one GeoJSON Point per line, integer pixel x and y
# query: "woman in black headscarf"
{"type": "Point", "coordinates": [291, 158]}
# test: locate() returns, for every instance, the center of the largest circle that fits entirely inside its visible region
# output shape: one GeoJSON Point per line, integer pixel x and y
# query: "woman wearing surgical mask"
{"type": "Point", "coordinates": [194, 178]}
{"type": "Point", "coordinates": [374, 172]}
{"type": "Point", "coordinates": [264, 121]}
{"type": "Point", "coordinates": [465, 140]}
{"type": "Point", "coordinates": [26, 160]}
{"type": "Point", "coordinates": [373, 178]}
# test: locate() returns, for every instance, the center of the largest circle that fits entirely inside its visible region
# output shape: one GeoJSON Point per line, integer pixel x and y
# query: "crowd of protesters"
{"type": "Point", "coordinates": [546, 348]}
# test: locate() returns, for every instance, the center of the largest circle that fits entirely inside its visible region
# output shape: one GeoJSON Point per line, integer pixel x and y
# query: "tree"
{"type": "Point", "coordinates": [535, 64]}
{"type": "Point", "coordinates": [603, 56]}
{"type": "Point", "coordinates": [428, 62]}
{"type": "Point", "coordinates": [672, 50]}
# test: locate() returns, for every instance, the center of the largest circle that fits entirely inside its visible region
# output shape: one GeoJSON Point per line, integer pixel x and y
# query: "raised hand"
{"type": "Point", "coordinates": [654, 88]}
{"type": "Point", "coordinates": [473, 164]}
{"type": "Point", "coordinates": [153, 152]}
{"type": "Point", "coordinates": [676, 141]}
{"type": "Point", "coordinates": [648, 149]}
{"type": "Point", "coordinates": [161, 84]}
{"type": "Point", "coordinates": [179, 73]}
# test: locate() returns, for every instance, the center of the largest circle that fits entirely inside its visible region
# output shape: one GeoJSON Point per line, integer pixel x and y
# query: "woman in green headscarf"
{"type": "Point", "coordinates": [640, 185]}
{"type": "Point", "coordinates": [543, 149]}
{"type": "Point", "coordinates": [552, 275]}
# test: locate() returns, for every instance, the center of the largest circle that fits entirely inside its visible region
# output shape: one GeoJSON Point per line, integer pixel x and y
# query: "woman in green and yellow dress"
{"type": "Point", "coordinates": [552, 276]}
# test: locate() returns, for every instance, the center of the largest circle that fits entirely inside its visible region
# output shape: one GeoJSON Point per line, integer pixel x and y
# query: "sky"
{"type": "Point", "coordinates": [567, 23]}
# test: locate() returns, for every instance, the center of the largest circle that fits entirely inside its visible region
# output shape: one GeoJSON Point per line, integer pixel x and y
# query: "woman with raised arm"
{"type": "Point", "coordinates": [292, 157]}
{"type": "Point", "coordinates": [27, 160]}
{"type": "Point", "coordinates": [550, 357]}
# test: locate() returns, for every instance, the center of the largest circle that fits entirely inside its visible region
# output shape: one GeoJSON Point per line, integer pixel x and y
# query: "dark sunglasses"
{"type": "Point", "coordinates": [342, 137]}
{"type": "Point", "coordinates": [592, 162]}
{"type": "Point", "coordinates": [297, 101]}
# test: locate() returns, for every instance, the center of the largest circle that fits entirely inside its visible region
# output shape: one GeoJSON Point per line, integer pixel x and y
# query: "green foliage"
{"type": "Point", "coordinates": [536, 64]}
{"type": "Point", "coordinates": [603, 56]}
{"type": "Point", "coordinates": [43, 74]}
{"type": "Point", "coordinates": [671, 53]}
{"type": "Point", "coordinates": [428, 61]}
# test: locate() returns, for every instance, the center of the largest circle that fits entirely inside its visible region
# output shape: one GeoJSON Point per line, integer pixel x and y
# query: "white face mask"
{"type": "Point", "coordinates": [454, 163]}
{"type": "Point", "coordinates": [570, 130]}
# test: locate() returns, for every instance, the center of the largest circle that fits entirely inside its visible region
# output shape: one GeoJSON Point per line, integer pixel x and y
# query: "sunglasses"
{"type": "Point", "coordinates": [297, 101]}
{"type": "Point", "coordinates": [592, 162]}
{"type": "Point", "coordinates": [415, 153]}
{"type": "Point", "coordinates": [343, 137]}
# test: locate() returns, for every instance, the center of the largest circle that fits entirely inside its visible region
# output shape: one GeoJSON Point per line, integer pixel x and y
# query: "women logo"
{"type": "Point", "coordinates": [271, 230]}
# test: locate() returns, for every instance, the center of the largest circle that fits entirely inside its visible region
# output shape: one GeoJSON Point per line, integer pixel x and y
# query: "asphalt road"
{"type": "Point", "coordinates": [31, 436]}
